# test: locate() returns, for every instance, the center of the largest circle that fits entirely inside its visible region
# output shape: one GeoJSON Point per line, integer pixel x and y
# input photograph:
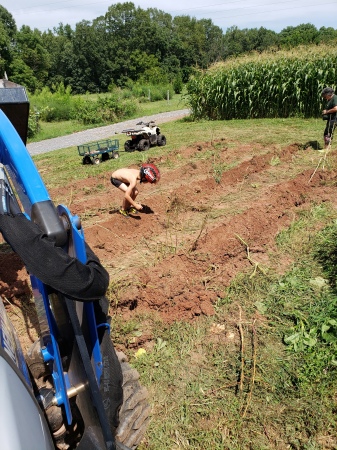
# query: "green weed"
{"type": "Point", "coordinates": [275, 161]}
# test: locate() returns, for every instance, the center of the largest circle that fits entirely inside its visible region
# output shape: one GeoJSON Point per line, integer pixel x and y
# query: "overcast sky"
{"type": "Point", "coordinates": [271, 14]}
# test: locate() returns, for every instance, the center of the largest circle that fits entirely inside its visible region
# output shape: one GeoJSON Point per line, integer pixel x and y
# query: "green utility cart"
{"type": "Point", "coordinates": [95, 152]}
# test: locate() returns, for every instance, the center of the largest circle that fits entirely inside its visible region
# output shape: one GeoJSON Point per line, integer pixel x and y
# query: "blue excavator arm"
{"type": "Point", "coordinates": [19, 175]}
{"type": "Point", "coordinates": [28, 183]}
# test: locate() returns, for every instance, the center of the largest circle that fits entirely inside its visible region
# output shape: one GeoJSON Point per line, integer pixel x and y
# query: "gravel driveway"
{"type": "Point", "coordinates": [96, 134]}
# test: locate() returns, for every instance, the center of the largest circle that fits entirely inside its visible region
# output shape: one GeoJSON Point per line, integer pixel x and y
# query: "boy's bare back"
{"type": "Point", "coordinates": [126, 180]}
{"type": "Point", "coordinates": [127, 176]}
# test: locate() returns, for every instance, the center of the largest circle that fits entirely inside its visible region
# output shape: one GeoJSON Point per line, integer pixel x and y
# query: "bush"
{"type": "Point", "coordinates": [104, 109]}
{"type": "Point", "coordinates": [152, 93]}
{"type": "Point", "coordinates": [55, 106]}
{"type": "Point", "coordinates": [33, 123]}
{"type": "Point", "coordinates": [178, 84]}
{"type": "Point", "coordinates": [61, 105]}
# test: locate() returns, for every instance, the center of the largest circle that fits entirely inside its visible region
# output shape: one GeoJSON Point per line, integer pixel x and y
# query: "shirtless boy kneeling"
{"type": "Point", "coordinates": [126, 180]}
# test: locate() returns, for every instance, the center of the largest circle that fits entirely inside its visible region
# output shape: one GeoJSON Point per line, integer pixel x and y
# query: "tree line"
{"type": "Point", "coordinates": [128, 45]}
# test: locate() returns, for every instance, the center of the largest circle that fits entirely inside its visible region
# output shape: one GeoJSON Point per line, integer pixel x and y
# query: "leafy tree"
{"type": "Point", "coordinates": [233, 42]}
{"type": "Point", "coordinates": [129, 44]}
{"type": "Point", "coordinates": [154, 75]}
{"type": "Point", "coordinates": [21, 73]}
{"type": "Point", "coordinates": [327, 35]}
{"type": "Point", "coordinates": [171, 66]}
{"type": "Point", "coordinates": [178, 84]}
{"type": "Point", "coordinates": [7, 33]}
{"type": "Point", "coordinates": [160, 36]}
{"type": "Point", "coordinates": [8, 22]}
{"type": "Point", "coordinates": [29, 49]}
{"type": "Point", "coordinates": [118, 24]}
{"type": "Point", "coordinates": [88, 57]}
{"type": "Point", "coordinates": [238, 41]}
{"type": "Point", "coordinates": [145, 67]}
{"type": "Point", "coordinates": [304, 34]}
{"type": "Point", "coordinates": [213, 42]}
{"type": "Point", "coordinates": [190, 41]}
{"type": "Point", "coordinates": [5, 50]}
{"type": "Point", "coordinates": [59, 47]}
{"type": "Point", "coordinates": [261, 39]}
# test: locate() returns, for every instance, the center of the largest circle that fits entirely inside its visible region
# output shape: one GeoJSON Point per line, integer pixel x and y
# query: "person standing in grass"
{"type": "Point", "coordinates": [329, 114]}
{"type": "Point", "coordinates": [127, 179]}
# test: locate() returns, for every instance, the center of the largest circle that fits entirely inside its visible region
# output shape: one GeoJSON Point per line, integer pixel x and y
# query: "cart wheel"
{"type": "Point", "coordinates": [115, 155]}
{"type": "Point", "coordinates": [86, 160]}
{"type": "Point", "coordinates": [96, 161]}
{"type": "Point", "coordinates": [105, 156]}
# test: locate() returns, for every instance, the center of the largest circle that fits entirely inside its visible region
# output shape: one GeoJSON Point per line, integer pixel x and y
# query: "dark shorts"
{"type": "Point", "coordinates": [116, 182]}
{"type": "Point", "coordinates": [330, 126]}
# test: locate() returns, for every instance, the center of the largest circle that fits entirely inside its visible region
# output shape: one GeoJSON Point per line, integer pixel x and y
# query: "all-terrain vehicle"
{"type": "Point", "coordinates": [142, 138]}
{"type": "Point", "coordinates": [71, 390]}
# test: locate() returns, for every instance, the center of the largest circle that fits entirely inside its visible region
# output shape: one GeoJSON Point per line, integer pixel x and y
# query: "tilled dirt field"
{"type": "Point", "coordinates": [216, 212]}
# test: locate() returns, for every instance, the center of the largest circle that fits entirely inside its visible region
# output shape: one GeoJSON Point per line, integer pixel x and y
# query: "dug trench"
{"type": "Point", "coordinates": [215, 213]}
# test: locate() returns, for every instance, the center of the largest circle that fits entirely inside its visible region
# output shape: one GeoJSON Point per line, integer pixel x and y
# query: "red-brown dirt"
{"type": "Point", "coordinates": [215, 213]}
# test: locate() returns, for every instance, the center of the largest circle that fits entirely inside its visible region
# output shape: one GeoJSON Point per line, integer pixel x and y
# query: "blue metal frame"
{"type": "Point", "coordinates": [78, 245]}
{"type": "Point", "coordinates": [20, 167]}
{"type": "Point", "coordinates": [30, 190]}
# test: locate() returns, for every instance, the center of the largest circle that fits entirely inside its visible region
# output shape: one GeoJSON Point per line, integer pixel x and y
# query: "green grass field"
{"type": "Point", "coordinates": [63, 164]}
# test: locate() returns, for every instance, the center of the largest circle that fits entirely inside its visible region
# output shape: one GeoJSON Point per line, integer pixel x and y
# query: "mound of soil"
{"type": "Point", "coordinates": [215, 213]}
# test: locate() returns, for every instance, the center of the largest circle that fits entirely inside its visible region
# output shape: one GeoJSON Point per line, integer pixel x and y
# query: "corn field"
{"type": "Point", "coordinates": [269, 85]}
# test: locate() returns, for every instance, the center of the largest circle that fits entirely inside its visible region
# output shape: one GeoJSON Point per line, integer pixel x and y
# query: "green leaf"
{"type": "Point", "coordinates": [261, 307]}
